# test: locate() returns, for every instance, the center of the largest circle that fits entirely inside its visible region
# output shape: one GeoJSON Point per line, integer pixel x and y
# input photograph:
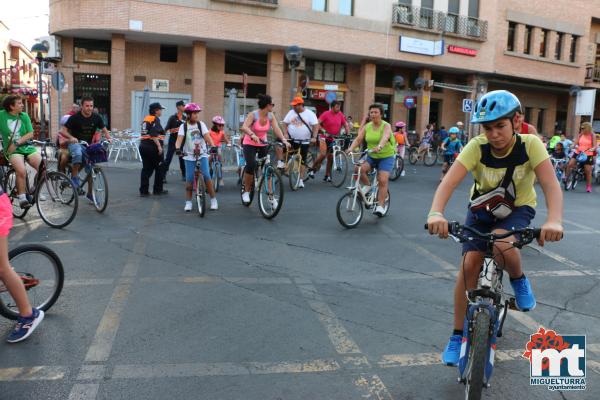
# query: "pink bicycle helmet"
{"type": "Point", "coordinates": [218, 120]}
{"type": "Point", "coordinates": [192, 107]}
{"type": "Point", "coordinates": [400, 124]}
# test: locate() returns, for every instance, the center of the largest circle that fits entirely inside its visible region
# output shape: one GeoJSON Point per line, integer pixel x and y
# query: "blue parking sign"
{"type": "Point", "coordinates": [467, 105]}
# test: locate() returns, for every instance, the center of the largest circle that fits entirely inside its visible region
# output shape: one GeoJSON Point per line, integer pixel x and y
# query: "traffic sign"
{"type": "Point", "coordinates": [467, 105]}
{"type": "Point", "coordinates": [58, 80]}
{"type": "Point", "coordinates": [409, 102]}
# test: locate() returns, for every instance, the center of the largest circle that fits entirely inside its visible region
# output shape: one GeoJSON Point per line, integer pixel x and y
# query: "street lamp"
{"type": "Point", "coordinates": [40, 50]}
{"type": "Point", "coordinates": [294, 56]}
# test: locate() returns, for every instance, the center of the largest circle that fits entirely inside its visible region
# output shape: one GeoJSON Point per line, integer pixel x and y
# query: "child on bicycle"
{"type": "Point", "coordinates": [504, 165]}
{"type": "Point", "coordinates": [401, 140]}
{"type": "Point", "coordinates": [218, 137]}
{"type": "Point", "coordinates": [30, 317]}
{"type": "Point", "coordinates": [196, 138]}
{"type": "Point", "coordinates": [451, 146]}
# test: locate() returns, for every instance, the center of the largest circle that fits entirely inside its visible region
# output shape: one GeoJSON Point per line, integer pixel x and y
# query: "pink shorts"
{"type": "Point", "coordinates": [6, 216]}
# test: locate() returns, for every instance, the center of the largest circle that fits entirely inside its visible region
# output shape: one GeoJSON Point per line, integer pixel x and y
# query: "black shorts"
{"type": "Point", "coordinates": [303, 148]}
{"type": "Point", "coordinates": [589, 161]}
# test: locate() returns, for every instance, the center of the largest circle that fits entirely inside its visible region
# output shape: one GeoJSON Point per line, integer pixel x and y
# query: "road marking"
{"type": "Point", "coordinates": [372, 387]}
{"type": "Point", "coordinates": [40, 373]}
{"type": "Point", "coordinates": [188, 370]}
{"type": "Point", "coordinates": [89, 282]}
{"type": "Point", "coordinates": [87, 391]}
{"type": "Point", "coordinates": [428, 359]}
{"type": "Point", "coordinates": [338, 335]}
{"type": "Point", "coordinates": [93, 372]}
{"type": "Point", "coordinates": [576, 224]}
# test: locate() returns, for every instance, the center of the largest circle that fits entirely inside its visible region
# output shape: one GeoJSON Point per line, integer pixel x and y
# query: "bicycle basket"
{"type": "Point", "coordinates": [96, 153]}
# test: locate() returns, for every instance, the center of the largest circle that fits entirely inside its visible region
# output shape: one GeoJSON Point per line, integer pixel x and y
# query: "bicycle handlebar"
{"type": "Point", "coordinates": [457, 230]}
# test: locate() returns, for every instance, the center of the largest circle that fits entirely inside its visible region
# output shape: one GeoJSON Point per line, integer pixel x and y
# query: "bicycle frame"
{"type": "Point", "coordinates": [370, 198]}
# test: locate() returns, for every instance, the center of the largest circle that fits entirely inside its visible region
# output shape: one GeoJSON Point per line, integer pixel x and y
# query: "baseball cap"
{"type": "Point", "coordinates": [180, 103]}
{"type": "Point", "coordinates": [155, 106]}
{"type": "Point", "coordinates": [297, 100]}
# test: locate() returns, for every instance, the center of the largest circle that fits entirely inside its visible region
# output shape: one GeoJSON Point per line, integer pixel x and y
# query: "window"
{"type": "Point", "coordinates": [559, 44]}
{"type": "Point", "coordinates": [319, 5]}
{"type": "Point", "coordinates": [91, 51]}
{"type": "Point", "coordinates": [573, 51]}
{"type": "Point", "coordinates": [406, 2]}
{"type": "Point", "coordinates": [540, 120]}
{"type": "Point", "coordinates": [346, 7]}
{"type": "Point", "coordinates": [528, 34]}
{"type": "Point", "coordinates": [254, 89]}
{"type": "Point", "coordinates": [168, 53]}
{"type": "Point", "coordinates": [474, 8]}
{"type": "Point", "coordinates": [426, 20]}
{"type": "Point", "coordinates": [384, 77]}
{"type": "Point", "coordinates": [510, 45]}
{"type": "Point", "coordinates": [452, 17]}
{"type": "Point", "coordinates": [237, 63]}
{"type": "Point", "coordinates": [326, 71]}
{"type": "Point", "coordinates": [543, 42]}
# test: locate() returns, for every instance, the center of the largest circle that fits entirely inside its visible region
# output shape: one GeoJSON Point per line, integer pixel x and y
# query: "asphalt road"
{"type": "Point", "coordinates": [160, 304]}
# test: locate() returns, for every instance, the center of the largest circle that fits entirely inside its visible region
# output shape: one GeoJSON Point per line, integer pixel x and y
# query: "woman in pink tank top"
{"type": "Point", "coordinates": [585, 142]}
{"type": "Point", "coordinates": [255, 130]}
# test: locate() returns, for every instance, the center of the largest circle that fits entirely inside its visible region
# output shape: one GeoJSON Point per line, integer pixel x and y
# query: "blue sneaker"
{"type": "Point", "coordinates": [451, 353]}
{"type": "Point", "coordinates": [25, 326]}
{"type": "Point", "coordinates": [523, 294]}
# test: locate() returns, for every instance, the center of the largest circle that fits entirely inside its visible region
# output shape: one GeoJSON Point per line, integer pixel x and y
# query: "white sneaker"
{"type": "Point", "coordinates": [221, 183]}
{"type": "Point", "coordinates": [365, 189]}
{"type": "Point", "coordinates": [188, 206]}
{"type": "Point", "coordinates": [246, 197]}
{"type": "Point", "coordinates": [214, 205]}
{"type": "Point", "coordinates": [280, 164]}
{"type": "Point", "coordinates": [301, 184]}
{"type": "Point", "coordinates": [379, 211]}
{"type": "Point", "coordinates": [274, 203]}
{"type": "Point", "coordinates": [403, 173]}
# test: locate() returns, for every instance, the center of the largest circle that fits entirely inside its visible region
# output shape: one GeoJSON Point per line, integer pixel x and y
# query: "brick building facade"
{"type": "Point", "coordinates": [198, 49]}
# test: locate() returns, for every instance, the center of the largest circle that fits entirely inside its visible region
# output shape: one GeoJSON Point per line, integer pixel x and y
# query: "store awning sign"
{"type": "Point", "coordinates": [421, 46]}
{"type": "Point", "coordinates": [465, 51]}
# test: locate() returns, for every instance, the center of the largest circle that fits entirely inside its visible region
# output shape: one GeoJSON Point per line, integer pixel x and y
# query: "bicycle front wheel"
{"type": "Point", "coordinates": [57, 199]}
{"type": "Point", "coordinates": [270, 193]}
{"type": "Point", "coordinates": [201, 195]}
{"type": "Point", "coordinates": [477, 356]}
{"type": "Point", "coordinates": [339, 172]}
{"type": "Point", "coordinates": [430, 157]}
{"type": "Point", "coordinates": [10, 187]}
{"type": "Point", "coordinates": [294, 172]}
{"type": "Point", "coordinates": [413, 156]}
{"type": "Point", "coordinates": [397, 169]}
{"type": "Point", "coordinates": [349, 210]}
{"type": "Point", "coordinates": [99, 189]}
{"type": "Point", "coordinates": [42, 273]}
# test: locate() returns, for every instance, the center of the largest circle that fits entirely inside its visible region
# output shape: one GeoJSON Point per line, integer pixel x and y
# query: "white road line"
{"type": "Point", "coordinates": [427, 359]}
{"type": "Point", "coordinates": [39, 373]}
{"type": "Point", "coordinates": [93, 372]}
{"type": "Point", "coordinates": [87, 391]}
{"type": "Point", "coordinates": [338, 335]}
{"type": "Point", "coordinates": [89, 282]}
{"type": "Point", "coordinates": [576, 224]}
{"type": "Point", "coordinates": [222, 369]}
{"type": "Point", "coordinates": [372, 387]}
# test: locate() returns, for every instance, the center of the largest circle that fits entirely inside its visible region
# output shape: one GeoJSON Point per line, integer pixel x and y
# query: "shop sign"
{"type": "Point", "coordinates": [421, 46]}
{"type": "Point", "coordinates": [331, 87]}
{"type": "Point", "coordinates": [462, 50]}
{"type": "Point", "coordinates": [410, 102]}
{"type": "Point", "coordinates": [317, 94]}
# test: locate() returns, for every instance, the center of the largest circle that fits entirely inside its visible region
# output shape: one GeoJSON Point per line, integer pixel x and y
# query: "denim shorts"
{"type": "Point", "coordinates": [190, 168]}
{"type": "Point", "coordinates": [520, 218]}
{"type": "Point", "coordinates": [382, 164]}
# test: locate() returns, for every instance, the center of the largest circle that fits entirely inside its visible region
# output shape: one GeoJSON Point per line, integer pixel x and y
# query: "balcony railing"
{"type": "Point", "coordinates": [262, 3]}
{"type": "Point", "coordinates": [437, 21]}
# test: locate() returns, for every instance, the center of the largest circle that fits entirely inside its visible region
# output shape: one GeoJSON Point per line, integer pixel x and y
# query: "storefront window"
{"type": "Point", "coordinates": [95, 86]}
{"type": "Point", "coordinates": [238, 63]}
{"type": "Point", "coordinates": [319, 5]}
{"type": "Point", "coordinates": [346, 7]}
{"type": "Point", "coordinates": [329, 72]}
{"type": "Point", "coordinates": [318, 71]}
{"type": "Point", "coordinates": [91, 51]}
{"type": "Point", "coordinates": [326, 71]}
{"type": "Point", "coordinates": [340, 73]}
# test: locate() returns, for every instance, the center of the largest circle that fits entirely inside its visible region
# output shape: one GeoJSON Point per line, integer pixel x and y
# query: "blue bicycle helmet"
{"type": "Point", "coordinates": [495, 105]}
{"type": "Point", "coordinates": [454, 130]}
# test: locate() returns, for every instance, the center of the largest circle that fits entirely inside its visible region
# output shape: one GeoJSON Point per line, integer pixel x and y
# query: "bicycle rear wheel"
{"type": "Point", "coordinates": [99, 189]}
{"type": "Point", "coordinates": [339, 172]}
{"type": "Point", "coordinates": [430, 157]}
{"type": "Point", "coordinates": [294, 166]}
{"type": "Point", "coordinates": [270, 192]}
{"type": "Point", "coordinates": [42, 273]}
{"type": "Point", "coordinates": [57, 199]}
{"type": "Point", "coordinates": [10, 187]}
{"type": "Point", "coordinates": [477, 356]}
{"type": "Point", "coordinates": [200, 195]}
{"type": "Point", "coordinates": [349, 210]}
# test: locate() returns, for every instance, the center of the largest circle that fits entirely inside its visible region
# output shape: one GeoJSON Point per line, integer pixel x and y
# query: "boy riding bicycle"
{"type": "Point", "coordinates": [504, 165]}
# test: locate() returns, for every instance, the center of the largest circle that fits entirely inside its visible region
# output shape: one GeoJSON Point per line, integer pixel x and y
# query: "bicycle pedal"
{"type": "Point", "coordinates": [512, 304]}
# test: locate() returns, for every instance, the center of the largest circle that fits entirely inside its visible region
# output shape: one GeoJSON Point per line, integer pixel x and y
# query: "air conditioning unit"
{"type": "Point", "coordinates": [54, 46]}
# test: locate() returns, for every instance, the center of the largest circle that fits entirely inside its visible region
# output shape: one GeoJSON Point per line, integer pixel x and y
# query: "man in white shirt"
{"type": "Point", "coordinates": [301, 127]}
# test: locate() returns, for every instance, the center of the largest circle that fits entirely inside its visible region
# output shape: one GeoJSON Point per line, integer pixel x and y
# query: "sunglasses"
{"type": "Point", "coordinates": [272, 104]}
